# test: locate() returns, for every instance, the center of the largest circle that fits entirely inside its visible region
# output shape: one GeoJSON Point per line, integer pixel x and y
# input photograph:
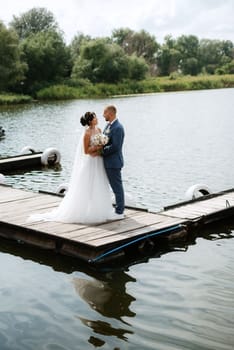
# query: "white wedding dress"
{"type": "Point", "coordinates": [88, 199]}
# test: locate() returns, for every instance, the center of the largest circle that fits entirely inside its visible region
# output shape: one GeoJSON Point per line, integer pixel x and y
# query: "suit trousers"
{"type": "Point", "coordinates": [115, 180]}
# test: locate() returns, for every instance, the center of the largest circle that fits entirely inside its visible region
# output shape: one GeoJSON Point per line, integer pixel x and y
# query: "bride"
{"type": "Point", "coordinates": [88, 199]}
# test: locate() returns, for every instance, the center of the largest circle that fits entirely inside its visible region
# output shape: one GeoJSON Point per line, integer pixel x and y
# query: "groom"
{"type": "Point", "coordinates": [113, 158]}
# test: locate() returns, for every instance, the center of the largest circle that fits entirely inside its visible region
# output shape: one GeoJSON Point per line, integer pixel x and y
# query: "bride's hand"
{"type": "Point", "coordinates": [96, 151]}
{"type": "Point", "coordinates": [95, 154]}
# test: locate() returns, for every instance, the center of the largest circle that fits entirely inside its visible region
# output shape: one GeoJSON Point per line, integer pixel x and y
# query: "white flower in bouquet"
{"type": "Point", "coordinates": [100, 140]}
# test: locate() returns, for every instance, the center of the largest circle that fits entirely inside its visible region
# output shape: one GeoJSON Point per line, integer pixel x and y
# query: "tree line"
{"type": "Point", "coordinates": [34, 55]}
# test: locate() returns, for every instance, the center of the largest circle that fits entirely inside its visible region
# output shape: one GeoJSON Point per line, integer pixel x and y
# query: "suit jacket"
{"type": "Point", "coordinates": [112, 151]}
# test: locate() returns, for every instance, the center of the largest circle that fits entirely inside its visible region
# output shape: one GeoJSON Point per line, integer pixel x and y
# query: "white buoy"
{"type": "Point", "coordinates": [62, 189]}
{"type": "Point", "coordinates": [26, 150]}
{"type": "Point", "coordinates": [50, 156]}
{"type": "Point", "coordinates": [2, 131]}
{"type": "Point", "coordinates": [2, 179]}
{"type": "Point", "coordinates": [197, 191]}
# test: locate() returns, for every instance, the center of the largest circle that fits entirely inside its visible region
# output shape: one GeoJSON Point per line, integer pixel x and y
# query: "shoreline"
{"type": "Point", "coordinates": [125, 89]}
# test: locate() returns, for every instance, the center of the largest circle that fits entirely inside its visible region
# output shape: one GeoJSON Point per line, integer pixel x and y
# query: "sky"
{"type": "Point", "coordinates": [210, 19]}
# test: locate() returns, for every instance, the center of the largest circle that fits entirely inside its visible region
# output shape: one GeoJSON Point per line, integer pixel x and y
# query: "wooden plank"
{"type": "Point", "coordinates": [22, 218]}
{"type": "Point", "coordinates": [115, 227]}
{"type": "Point", "coordinates": [77, 231]}
{"type": "Point", "coordinates": [19, 162]}
{"type": "Point", "coordinates": [184, 214]}
{"type": "Point", "coordinates": [30, 202]}
{"type": "Point", "coordinates": [22, 157]}
{"type": "Point", "coordinates": [25, 209]}
{"type": "Point", "coordinates": [192, 210]}
{"type": "Point", "coordinates": [217, 201]}
{"type": "Point", "coordinates": [213, 201]}
{"type": "Point", "coordinates": [101, 241]}
{"type": "Point", "coordinates": [56, 229]}
{"type": "Point", "coordinates": [7, 196]}
{"type": "Point", "coordinates": [225, 194]}
{"type": "Point", "coordinates": [119, 232]}
{"type": "Point", "coordinates": [98, 236]}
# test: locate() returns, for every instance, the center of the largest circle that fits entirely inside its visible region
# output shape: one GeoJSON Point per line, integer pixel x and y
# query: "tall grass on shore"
{"type": "Point", "coordinates": [196, 83]}
{"type": "Point", "coordinates": [9, 99]}
{"type": "Point", "coordinates": [161, 84]}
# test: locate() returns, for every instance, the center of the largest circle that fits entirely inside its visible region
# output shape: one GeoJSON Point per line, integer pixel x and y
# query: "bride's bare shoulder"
{"type": "Point", "coordinates": [87, 132]}
{"type": "Point", "coordinates": [87, 136]}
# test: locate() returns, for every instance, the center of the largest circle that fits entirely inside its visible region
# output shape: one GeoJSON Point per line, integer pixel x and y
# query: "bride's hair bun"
{"type": "Point", "coordinates": [87, 118]}
{"type": "Point", "coordinates": [83, 121]}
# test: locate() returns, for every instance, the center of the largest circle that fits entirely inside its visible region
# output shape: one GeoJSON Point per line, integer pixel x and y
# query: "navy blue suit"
{"type": "Point", "coordinates": [113, 161]}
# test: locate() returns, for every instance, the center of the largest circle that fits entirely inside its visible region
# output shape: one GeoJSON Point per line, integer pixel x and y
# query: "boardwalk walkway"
{"type": "Point", "coordinates": [89, 242]}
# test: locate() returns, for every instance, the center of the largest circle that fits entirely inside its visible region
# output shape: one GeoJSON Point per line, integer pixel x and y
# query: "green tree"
{"type": "Point", "coordinates": [34, 21]}
{"type": "Point", "coordinates": [168, 57]}
{"type": "Point", "coordinates": [141, 44]}
{"type": "Point", "coordinates": [12, 68]}
{"type": "Point", "coordinates": [190, 66]}
{"type": "Point", "coordinates": [123, 38]}
{"type": "Point", "coordinates": [228, 48]}
{"type": "Point", "coordinates": [188, 46]}
{"type": "Point", "coordinates": [100, 61]}
{"type": "Point", "coordinates": [230, 67]}
{"type": "Point", "coordinates": [226, 69]}
{"type": "Point", "coordinates": [138, 68]}
{"type": "Point", "coordinates": [103, 61]}
{"type": "Point", "coordinates": [214, 54]}
{"type": "Point", "coordinates": [76, 44]}
{"type": "Point", "coordinates": [47, 57]}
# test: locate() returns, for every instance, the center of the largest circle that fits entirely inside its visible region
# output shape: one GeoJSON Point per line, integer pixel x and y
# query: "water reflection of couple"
{"type": "Point", "coordinates": [98, 163]}
{"type": "Point", "coordinates": [108, 297]}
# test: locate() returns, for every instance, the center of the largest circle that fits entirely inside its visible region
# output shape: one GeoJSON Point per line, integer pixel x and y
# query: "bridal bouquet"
{"type": "Point", "coordinates": [100, 140]}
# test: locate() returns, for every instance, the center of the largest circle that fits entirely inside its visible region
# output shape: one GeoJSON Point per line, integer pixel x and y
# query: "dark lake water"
{"type": "Point", "coordinates": [182, 299]}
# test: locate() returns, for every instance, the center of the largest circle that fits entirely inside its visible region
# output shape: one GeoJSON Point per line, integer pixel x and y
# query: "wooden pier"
{"type": "Point", "coordinates": [50, 156]}
{"type": "Point", "coordinates": [13, 163]}
{"type": "Point", "coordinates": [97, 244]}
